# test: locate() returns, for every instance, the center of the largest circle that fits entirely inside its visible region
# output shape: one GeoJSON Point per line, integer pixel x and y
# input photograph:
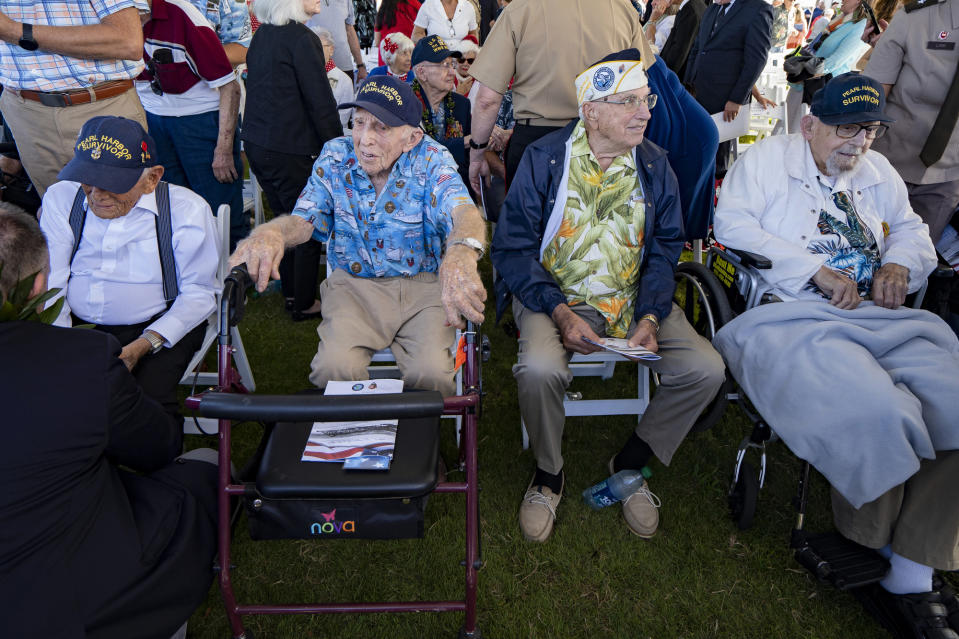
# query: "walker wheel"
{"type": "Point", "coordinates": [743, 497]}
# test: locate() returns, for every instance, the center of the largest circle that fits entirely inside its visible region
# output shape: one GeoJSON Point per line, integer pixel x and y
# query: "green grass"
{"type": "Point", "coordinates": [699, 577]}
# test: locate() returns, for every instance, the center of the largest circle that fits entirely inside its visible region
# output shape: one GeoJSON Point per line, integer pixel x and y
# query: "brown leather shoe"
{"type": "Point", "coordinates": [537, 513]}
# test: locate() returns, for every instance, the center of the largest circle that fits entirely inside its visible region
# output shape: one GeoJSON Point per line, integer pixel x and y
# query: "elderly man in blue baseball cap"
{"type": "Point", "coordinates": [137, 257]}
{"type": "Point", "coordinates": [863, 388]}
{"type": "Point", "coordinates": [403, 242]}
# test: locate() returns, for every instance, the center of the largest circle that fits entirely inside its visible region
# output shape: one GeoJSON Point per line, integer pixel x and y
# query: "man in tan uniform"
{"type": "Point", "coordinates": [541, 44]}
{"type": "Point", "coordinates": [917, 61]}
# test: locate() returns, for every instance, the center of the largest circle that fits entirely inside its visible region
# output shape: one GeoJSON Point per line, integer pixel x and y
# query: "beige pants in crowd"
{"type": "Point", "coordinates": [690, 374]}
{"type": "Point", "coordinates": [364, 315]}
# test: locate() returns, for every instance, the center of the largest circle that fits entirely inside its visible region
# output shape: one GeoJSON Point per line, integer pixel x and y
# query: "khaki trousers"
{"type": "Point", "coordinates": [935, 204]}
{"type": "Point", "coordinates": [363, 315]}
{"type": "Point", "coordinates": [919, 518]}
{"type": "Point", "coordinates": [46, 136]}
{"type": "Point", "coordinates": [690, 371]}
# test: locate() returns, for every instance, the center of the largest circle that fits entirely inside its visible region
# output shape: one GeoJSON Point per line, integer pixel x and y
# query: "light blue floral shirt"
{"type": "Point", "coordinates": [230, 19]}
{"type": "Point", "coordinates": [402, 231]}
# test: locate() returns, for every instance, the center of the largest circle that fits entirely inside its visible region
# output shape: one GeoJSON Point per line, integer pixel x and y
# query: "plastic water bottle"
{"type": "Point", "coordinates": [613, 489]}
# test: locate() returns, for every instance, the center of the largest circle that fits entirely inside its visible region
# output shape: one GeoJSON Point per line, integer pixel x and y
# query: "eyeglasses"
{"type": "Point", "coordinates": [632, 102]}
{"type": "Point", "coordinates": [873, 131]}
{"type": "Point", "coordinates": [469, 60]}
{"type": "Point", "coordinates": [449, 65]}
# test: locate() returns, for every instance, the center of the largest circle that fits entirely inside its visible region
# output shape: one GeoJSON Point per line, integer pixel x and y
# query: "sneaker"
{"type": "Point", "coordinates": [949, 600]}
{"type": "Point", "coordinates": [537, 513]}
{"type": "Point", "coordinates": [641, 509]}
{"type": "Point", "coordinates": [917, 616]}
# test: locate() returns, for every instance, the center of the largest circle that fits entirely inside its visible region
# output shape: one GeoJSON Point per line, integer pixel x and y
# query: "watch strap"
{"type": "Point", "coordinates": [473, 243]}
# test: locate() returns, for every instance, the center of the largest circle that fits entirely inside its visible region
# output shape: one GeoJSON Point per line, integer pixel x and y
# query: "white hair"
{"type": "Point", "coordinates": [279, 12]}
{"type": "Point", "coordinates": [402, 42]}
{"type": "Point", "coordinates": [466, 47]}
{"type": "Point", "coordinates": [324, 34]}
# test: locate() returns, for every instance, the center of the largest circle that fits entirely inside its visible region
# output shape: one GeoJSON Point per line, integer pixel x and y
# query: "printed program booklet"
{"type": "Point", "coordinates": [364, 445]}
{"type": "Point", "coordinates": [620, 346]}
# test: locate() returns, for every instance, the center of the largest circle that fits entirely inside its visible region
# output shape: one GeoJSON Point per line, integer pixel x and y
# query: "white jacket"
{"type": "Point", "coordinates": [770, 203]}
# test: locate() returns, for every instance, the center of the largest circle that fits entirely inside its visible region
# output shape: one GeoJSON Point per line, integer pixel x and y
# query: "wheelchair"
{"type": "Point", "coordinates": [285, 498]}
{"type": "Point", "coordinates": [711, 295]}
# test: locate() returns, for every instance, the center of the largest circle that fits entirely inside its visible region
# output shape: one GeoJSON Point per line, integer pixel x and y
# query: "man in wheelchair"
{"type": "Point", "coordinates": [387, 200]}
{"type": "Point", "coordinates": [587, 244]}
{"type": "Point", "coordinates": [863, 388]}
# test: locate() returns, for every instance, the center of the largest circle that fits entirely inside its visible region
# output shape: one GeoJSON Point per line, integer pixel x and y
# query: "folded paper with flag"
{"type": "Point", "coordinates": [364, 445]}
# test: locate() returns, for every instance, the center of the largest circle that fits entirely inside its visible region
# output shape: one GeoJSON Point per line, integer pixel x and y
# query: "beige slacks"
{"type": "Point", "coordinates": [46, 136]}
{"type": "Point", "coordinates": [691, 372]}
{"type": "Point", "coordinates": [364, 315]}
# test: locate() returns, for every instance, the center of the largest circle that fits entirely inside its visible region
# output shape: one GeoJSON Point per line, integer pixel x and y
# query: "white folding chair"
{"type": "Point", "coordinates": [601, 364]}
{"type": "Point", "coordinates": [241, 361]}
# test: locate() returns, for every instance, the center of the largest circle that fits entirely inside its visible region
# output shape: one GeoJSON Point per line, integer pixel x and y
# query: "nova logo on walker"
{"type": "Point", "coordinates": [332, 527]}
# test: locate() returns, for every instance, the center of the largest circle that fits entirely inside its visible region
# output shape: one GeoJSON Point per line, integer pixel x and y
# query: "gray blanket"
{"type": "Point", "coordinates": [862, 394]}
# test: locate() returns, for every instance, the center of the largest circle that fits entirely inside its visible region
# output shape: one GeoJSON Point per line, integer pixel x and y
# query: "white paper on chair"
{"type": "Point", "coordinates": [621, 346]}
{"type": "Point", "coordinates": [731, 130]}
{"type": "Point", "coordinates": [364, 445]}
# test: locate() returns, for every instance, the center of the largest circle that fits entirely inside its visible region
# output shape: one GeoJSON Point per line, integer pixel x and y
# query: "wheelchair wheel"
{"type": "Point", "coordinates": [707, 309]}
{"type": "Point", "coordinates": [743, 497]}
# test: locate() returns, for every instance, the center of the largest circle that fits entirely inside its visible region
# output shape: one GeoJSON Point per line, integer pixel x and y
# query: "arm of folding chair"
{"type": "Point", "coordinates": [314, 407]}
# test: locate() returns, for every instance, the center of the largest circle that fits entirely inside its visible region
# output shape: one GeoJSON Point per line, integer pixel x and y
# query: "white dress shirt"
{"type": "Point", "coordinates": [115, 278]}
{"type": "Point", "coordinates": [432, 17]}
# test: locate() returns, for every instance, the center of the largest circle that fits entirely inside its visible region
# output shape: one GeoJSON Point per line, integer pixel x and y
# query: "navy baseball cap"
{"type": "Point", "coordinates": [391, 100]}
{"type": "Point", "coordinates": [110, 154]}
{"type": "Point", "coordinates": [432, 49]}
{"type": "Point", "coordinates": [850, 98]}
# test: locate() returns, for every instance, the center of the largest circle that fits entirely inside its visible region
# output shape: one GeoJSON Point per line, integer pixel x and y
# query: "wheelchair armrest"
{"type": "Point", "coordinates": [321, 408]}
{"type": "Point", "coordinates": [755, 260]}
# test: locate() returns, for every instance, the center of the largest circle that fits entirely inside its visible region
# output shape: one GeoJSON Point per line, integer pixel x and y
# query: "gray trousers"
{"type": "Point", "coordinates": [935, 204]}
{"type": "Point", "coordinates": [919, 517]}
{"type": "Point", "coordinates": [690, 371]}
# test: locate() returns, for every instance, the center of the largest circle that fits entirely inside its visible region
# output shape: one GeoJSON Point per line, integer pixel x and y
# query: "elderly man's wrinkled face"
{"type": "Point", "coordinates": [377, 145]}
{"type": "Point", "coordinates": [437, 75]}
{"type": "Point", "coordinates": [833, 153]}
{"type": "Point", "coordinates": [109, 206]}
{"type": "Point", "coordinates": [621, 116]}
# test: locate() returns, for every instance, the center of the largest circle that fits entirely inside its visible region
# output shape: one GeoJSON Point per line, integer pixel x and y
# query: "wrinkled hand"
{"type": "Point", "coordinates": [223, 168]}
{"type": "Point", "coordinates": [765, 102]}
{"type": "Point", "coordinates": [479, 169]}
{"type": "Point", "coordinates": [731, 111]}
{"type": "Point", "coordinates": [132, 352]}
{"type": "Point", "coordinates": [843, 292]}
{"type": "Point", "coordinates": [261, 252]}
{"type": "Point", "coordinates": [461, 289]}
{"type": "Point", "coordinates": [644, 335]}
{"type": "Point", "coordinates": [574, 330]}
{"type": "Point", "coordinates": [498, 139]}
{"type": "Point", "coordinates": [890, 285]}
{"type": "Point", "coordinates": [869, 36]}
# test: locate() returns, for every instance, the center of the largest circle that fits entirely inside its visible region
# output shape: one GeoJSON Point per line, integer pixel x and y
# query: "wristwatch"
{"type": "Point", "coordinates": [26, 40]}
{"type": "Point", "coordinates": [471, 242]}
{"type": "Point", "coordinates": [156, 342]}
{"type": "Point", "coordinates": [474, 145]}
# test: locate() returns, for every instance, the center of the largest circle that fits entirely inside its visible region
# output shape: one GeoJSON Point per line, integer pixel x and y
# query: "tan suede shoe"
{"type": "Point", "coordinates": [641, 510]}
{"type": "Point", "coordinates": [537, 513]}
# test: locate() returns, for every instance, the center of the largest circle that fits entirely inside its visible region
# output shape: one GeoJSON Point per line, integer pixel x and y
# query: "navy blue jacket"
{"type": "Point", "coordinates": [522, 223]}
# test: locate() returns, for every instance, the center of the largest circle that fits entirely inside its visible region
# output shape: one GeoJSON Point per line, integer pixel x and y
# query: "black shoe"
{"type": "Point", "coordinates": [300, 316]}
{"type": "Point", "coordinates": [917, 616]}
{"type": "Point", "coordinates": [949, 600]}
{"type": "Point", "coordinates": [288, 304]}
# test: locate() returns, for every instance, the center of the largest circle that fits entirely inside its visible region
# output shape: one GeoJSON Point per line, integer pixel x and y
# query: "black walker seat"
{"type": "Point", "coordinates": [290, 498]}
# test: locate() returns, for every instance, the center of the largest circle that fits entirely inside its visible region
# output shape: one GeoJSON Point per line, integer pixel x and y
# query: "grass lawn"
{"type": "Point", "coordinates": [699, 577]}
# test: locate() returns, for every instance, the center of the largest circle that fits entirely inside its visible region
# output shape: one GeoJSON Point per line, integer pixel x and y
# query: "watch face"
{"type": "Point", "coordinates": [29, 45]}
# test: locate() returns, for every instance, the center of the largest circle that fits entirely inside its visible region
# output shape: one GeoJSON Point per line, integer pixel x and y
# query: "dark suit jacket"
{"type": "Point", "coordinates": [81, 539]}
{"type": "Point", "coordinates": [681, 38]}
{"type": "Point", "coordinates": [723, 68]}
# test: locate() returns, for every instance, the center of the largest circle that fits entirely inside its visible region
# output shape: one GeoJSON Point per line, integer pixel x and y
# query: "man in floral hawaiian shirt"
{"type": "Point", "coordinates": [403, 241]}
{"type": "Point", "coordinates": [587, 243]}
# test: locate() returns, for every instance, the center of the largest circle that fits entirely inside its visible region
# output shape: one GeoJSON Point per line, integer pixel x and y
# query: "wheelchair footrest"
{"type": "Point", "coordinates": [845, 564]}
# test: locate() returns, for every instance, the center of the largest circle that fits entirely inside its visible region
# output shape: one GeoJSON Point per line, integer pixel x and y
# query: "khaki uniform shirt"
{"type": "Point", "coordinates": [918, 55]}
{"type": "Point", "coordinates": [545, 44]}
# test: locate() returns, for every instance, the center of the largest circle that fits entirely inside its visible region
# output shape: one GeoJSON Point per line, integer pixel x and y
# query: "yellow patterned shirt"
{"type": "Point", "coordinates": [595, 255]}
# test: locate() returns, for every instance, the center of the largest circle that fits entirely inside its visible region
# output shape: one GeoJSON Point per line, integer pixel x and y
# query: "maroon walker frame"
{"type": "Point", "coordinates": [467, 405]}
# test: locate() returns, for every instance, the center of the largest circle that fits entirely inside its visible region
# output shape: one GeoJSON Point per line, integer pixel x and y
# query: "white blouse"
{"type": "Point", "coordinates": [432, 17]}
